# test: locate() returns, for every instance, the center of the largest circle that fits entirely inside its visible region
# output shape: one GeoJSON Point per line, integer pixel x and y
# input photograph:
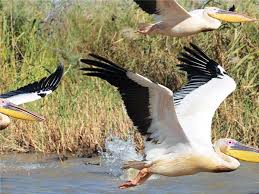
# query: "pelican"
{"type": "Point", "coordinates": [176, 127]}
{"type": "Point", "coordinates": [28, 93]}
{"type": "Point", "coordinates": [177, 22]}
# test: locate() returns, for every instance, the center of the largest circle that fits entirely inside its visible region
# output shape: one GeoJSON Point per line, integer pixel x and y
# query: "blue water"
{"type": "Point", "coordinates": [22, 174]}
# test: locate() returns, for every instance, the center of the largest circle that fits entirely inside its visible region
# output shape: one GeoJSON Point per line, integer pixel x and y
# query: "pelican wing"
{"type": "Point", "coordinates": [196, 102]}
{"type": "Point", "coordinates": [149, 6]}
{"type": "Point", "coordinates": [36, 90]}
{"type": "Point", "coordinates": [149, 105]}
{"type": "Point", "coordinates": [170, 10]}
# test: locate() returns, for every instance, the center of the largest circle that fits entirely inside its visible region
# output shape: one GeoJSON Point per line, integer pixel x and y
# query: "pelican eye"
{"type": "Point", "coordinates": [230, 142]}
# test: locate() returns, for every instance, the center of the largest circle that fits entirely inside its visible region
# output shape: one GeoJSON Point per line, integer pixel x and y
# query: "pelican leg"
{"type": "Point", "coordinates": [150, 28]}
{"type": "Point", "coordinates": [146, 28]}
{"type": "Point", "coordinates": [142, 176]}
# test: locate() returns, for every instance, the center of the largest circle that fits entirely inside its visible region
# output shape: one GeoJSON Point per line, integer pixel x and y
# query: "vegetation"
{"type": "Point", "coordinates": [35, 36]}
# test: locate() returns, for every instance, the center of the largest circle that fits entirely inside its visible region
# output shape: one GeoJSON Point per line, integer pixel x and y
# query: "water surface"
{"type": "Point", "coordinates": [30, 173]}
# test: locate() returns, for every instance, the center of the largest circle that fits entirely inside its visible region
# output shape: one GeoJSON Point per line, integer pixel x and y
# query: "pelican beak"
{"type": "Point", "coordinates": [15, 111]}
{"type": "Point", "coordinates": [243, 152]}
{"type": "Point", "coordinates": [230, 16]}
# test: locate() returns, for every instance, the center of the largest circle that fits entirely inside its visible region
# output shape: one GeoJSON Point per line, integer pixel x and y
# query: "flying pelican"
{"type": "Point", "coordinates": [175, 21]}
{"type": "Point", "coordinates": [28, 93]}
{"type": "Point", "coordinates": [176, 127]}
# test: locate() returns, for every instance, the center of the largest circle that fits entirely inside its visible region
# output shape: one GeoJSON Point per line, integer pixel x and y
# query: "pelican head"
{"type": "Point", "coordinates": [227, 16]}
{"type": "Point", "coordinates": [12, 110]}
{"type": "Point", "coordinates": [237, 150]}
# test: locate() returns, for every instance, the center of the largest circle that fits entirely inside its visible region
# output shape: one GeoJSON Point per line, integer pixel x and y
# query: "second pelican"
{"type": "Point", "coordinates": [176, 21]}
{"type": "Point", "coordinates": [176, 127]}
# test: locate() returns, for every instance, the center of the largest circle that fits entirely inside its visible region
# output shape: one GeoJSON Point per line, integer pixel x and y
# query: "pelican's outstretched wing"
{"type": "Point", "coordinates": [170, 10]}
{"type": "Point", "coordinates": [208, 85]}
{"type": "Point", "coordinates": [149, 105]}
{"type": "Point", "coordinates": [36, 90]}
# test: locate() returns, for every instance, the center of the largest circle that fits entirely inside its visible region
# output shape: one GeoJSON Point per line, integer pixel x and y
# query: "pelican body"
{"type": "Point", "coordinates": [177, 22]}
{"type": "Point", "coordinates": [176, 126]}
{"type": "Point", "coordinates": [9, 101]}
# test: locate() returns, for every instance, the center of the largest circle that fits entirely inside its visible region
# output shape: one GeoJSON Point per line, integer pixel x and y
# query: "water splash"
{"type": "Point", "coordinates": [118, 151]}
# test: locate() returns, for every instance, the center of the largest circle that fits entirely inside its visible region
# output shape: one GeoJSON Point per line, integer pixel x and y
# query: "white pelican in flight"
{"type": "Point", "coordinates": [176, 21]}
{"type": "Point", "coordinates": [28, 93]}
{"type": "Point", "coordinates": [176, 127]}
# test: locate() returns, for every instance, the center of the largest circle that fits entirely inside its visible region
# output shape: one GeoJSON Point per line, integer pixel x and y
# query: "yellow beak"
{"type": "Point", "coordinates": [230, 16]}
{"type": "Point", "coordinates": [243, 152]}
{"type": "Point", "coordinates": [15, 111]}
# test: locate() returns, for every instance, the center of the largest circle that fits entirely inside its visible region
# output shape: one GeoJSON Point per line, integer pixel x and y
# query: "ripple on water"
{"type": "Point", "coordinates": [14, 164]}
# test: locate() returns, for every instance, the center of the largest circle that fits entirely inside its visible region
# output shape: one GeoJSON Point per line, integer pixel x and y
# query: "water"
{"type": "Point", "coordinates": [43, 174]}
{"type": "Point", "coordinates": [116, 152]}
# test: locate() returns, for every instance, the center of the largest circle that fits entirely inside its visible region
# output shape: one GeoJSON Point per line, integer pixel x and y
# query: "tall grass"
{"type": "Point", "coordinates": [35, 36]}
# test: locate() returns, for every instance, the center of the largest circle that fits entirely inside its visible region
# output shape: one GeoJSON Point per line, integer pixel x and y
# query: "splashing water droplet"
{"type": "Point", "coordinates": [118, 151]}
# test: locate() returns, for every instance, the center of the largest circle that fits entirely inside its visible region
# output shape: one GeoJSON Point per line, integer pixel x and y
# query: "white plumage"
{"type": "Point", "coordinates": [171, 127]}
{"type": "Point", "coordinates": [176, 127]}
{"type": "Point", "coordinates": [175, 21]}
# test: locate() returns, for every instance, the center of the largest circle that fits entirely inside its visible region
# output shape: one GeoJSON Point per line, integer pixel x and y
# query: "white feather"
{"type": "Point", "coordinates": [165, 128]}
{"type": "Point", "coordinates": [26, 97]}
{"type": "Point", "coordinates": [196, 110]}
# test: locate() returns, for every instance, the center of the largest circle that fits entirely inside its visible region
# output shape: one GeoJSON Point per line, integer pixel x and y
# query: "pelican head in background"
{"type": "Point", "coordinates": [176, 126]}
{"type": "Point", "coordinates": [175, 21]}
{"type": "Point", "coordinates": [28, 93]}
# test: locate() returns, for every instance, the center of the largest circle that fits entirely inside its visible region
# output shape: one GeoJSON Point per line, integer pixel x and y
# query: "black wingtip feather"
{"type": "Point", "coordinates": [45, 84]}
{"type": "Point", "coordinates": [196, 48]}
{"type": "Point", "coordinates": [59, 73]}
{"type": "Point", "coordinates": [149, 6]}
{"type": "Point", "coordinates": [105, 62]}
{"type": "Point", "coordinates": [197, 63]}
{"type": "Point", "coordinates": [200, 69]}
{"type": "Point", "coordinates": [102, 66]}
{"type": "Point", "coordinates": [135, 96]}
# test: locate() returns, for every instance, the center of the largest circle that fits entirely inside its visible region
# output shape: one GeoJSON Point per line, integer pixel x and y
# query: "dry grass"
{"type": "Point", "coordinates": [85, 110]}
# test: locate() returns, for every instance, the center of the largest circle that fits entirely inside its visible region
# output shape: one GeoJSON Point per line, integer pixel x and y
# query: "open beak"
{"type": "Point", "coordinates": [243, 152]}
{"type": "Point", "coordinates": [15, 111]}
{"type": "Point", "coordinates": [230, 16]}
